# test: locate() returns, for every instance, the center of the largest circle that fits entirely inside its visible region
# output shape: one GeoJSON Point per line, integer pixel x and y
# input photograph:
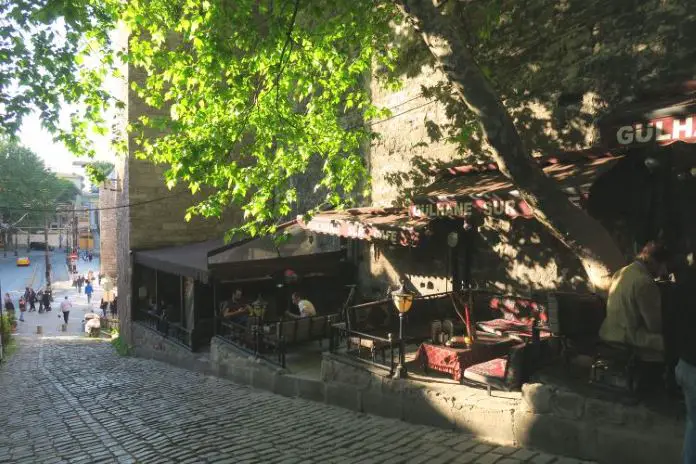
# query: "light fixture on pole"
{"type": "Point", "coordinates": [403, 301]}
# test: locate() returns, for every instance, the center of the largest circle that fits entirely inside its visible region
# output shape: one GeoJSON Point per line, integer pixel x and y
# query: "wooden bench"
{"type": "Point", "coordinates": [306, 329]}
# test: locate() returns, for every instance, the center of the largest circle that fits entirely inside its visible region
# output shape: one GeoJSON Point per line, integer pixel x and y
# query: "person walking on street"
{"type": "Point", "coordinates": [88, 291]}
{"type": "Point", "coordinates": [39, 296]}
{"type": "Point", "coordinates": [80, 283]}
{"type": "Point", "coordinates": [7, 302]}
{"type": "Point", "coordinates": [46, 300]}
{"type": "Point", "coordinates": [22, 308]}
{"type": "Point", "coordinates": [65, 307]}
{"type": "Point", "coordinates": [32, 300]}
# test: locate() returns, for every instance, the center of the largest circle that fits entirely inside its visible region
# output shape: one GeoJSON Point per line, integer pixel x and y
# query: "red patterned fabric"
{"type": "Point", "coordinates": [502, 327]}
{"type": "Point", "coordinates": [493, 369]}
{"type": "Point", "coordinates": [454, 361]}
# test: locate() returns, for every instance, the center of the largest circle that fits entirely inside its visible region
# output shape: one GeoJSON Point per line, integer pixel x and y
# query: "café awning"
{"type": "Point", "coordinates": [294, 249]}
{"type": "Point", "coordinates": [391, 225]}
{"type": "Point", "coordinates": [656, 121]}
{"type": "Point", "coordinates": [185, 260]}
{"type": "Point", "coordinates": [461, 191]}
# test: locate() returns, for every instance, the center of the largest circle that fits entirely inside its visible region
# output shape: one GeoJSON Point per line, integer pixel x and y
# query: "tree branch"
{"type": "Point", "coordinates": [584, 236]}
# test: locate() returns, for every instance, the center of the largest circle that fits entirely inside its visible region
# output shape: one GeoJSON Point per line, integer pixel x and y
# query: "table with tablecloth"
{"type": "Point", "coordinates": [454, 361]}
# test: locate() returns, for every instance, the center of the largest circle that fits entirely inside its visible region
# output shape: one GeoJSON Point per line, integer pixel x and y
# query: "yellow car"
{"type": "Point", "coordinates": [23, 261]}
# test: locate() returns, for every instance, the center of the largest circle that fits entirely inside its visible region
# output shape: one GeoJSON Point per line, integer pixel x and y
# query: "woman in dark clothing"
{"type": "Point", "coordinates": [46, 300]}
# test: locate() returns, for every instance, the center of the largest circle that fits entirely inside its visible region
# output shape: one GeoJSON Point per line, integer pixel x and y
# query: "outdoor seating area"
{"type": "Point", "coordinates": [478, 338]}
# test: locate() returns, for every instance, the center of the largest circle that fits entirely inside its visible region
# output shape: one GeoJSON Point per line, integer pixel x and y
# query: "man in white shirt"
{"type": "Point", "coordinates": [306, 307]}
{"type": "Point", "coordinates": [65, 307]}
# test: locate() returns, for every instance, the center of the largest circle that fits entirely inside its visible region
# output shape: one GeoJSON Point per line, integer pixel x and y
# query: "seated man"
{"type": "Point", "coordinates": [305, 306]}
{"type": "Point", "coordinates": [234, 309]}
{"type": "Point", "coordinates": [634, 314]}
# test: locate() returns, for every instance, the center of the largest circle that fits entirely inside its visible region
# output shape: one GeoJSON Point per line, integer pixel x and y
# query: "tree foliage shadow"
{"type": "Point", "coordinates": [557, 67]}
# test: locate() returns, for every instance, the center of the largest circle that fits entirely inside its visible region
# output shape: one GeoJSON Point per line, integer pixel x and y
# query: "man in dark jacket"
{"type": "Point", "coordinates": [685, 371]}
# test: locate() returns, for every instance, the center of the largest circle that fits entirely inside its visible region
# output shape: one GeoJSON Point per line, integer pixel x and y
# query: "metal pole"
{"type": "Point", "coordinates": [75, 227]}
{"type": "Point", "coordinates": [401, 368]}
{"type": "Point", "coordinates": [46, 254]}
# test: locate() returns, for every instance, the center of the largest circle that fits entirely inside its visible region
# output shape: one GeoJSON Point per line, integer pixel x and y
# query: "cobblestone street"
{"type": "Point", "coordinates": [72, 399]}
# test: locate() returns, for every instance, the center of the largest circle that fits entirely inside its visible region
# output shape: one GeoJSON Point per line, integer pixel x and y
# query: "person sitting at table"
{"type": "Point", "coordinates": [305, 306]}
{"type": "Point", "coordinates": [634, 305]}
{"type": "Point", "coordinates": [235, 310]}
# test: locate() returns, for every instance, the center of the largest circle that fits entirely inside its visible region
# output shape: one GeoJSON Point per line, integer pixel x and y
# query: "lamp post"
{"type": "Point", "coordinates": [402, 300]}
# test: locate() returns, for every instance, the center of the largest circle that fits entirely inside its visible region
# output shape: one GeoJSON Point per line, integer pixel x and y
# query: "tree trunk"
{"type": "Point", "coordinates": [584, 236]}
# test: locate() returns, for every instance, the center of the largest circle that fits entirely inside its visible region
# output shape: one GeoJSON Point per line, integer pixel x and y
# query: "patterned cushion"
{"type": "Point", "coordinates": [489, 373]}
{"type": "Point", "coordinates": [505, 373]}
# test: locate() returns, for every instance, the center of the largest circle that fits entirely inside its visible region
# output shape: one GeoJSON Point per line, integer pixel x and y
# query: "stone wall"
{"type": "Point", "coordinates": [148, 343]}
{"type": "Point", "coordinates": [542, 416]}
{"type": "Point", "coordinates": [162, 223]}
{"type": "Point", "coordinates": [508, 255]}
{"type": "Point", "coordinates": [124, 260]}
{"type": "Point", "coordinates": [108, 226]}
{"type": "Point", "coordinates": [521, 254]}
{"type": "Point", "coordinates": [555, 78]}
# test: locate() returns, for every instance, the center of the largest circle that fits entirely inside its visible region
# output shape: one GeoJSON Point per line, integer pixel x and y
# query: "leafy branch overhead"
{"type": "Point", "coordinates": [254, 92]}
{"type": "Point", "coordinates": [248, 94]}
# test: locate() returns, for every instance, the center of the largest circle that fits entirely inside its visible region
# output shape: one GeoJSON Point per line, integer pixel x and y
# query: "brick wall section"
{"type": "Point", "coordinates": [151, 224]}
{"type": "Point", "coordinates": [108, 226]}
{"type": "Point", "coordinates": [162, 223]}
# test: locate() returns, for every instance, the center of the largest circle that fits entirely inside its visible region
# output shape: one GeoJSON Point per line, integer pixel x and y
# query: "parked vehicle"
{"type": "Point", "coordinates": [39, 246]}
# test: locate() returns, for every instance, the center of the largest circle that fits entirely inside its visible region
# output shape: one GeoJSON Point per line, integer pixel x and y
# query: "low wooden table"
{"type": "Point", "coordinates": [454, 361]}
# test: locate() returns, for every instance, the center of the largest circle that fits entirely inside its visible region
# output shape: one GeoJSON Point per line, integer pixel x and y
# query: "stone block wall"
{"type": "Point", "coordinates": [405, 137]}
{"type": "Point", "coordinates": [124, 260]}
{"type": "Point", "coordinates": [572, 66]}
{"type": "Point", "coordinates": [148, 343]}
{"type": "Point", "coordinates": [161, 222]}
{"type": "Point", "coordinates": [108, 226]}
{"type": "Point", "coordinates": [542, 416]}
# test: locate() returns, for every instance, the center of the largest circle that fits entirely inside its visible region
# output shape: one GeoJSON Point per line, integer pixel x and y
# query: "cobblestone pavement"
{"type": "Point", "coordinates": [51, 322]}
{"type": "Point", "coordinates": [73, 399]}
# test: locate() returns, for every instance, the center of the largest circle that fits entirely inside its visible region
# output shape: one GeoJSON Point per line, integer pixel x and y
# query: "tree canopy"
{"type": "Point", "coordinates": [252, 94]}
{"type": "Point", "coordinates": [27, 189]}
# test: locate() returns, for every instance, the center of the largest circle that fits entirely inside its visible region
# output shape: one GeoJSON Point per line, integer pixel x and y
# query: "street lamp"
{"type": "Point", "coordinates": [403, 301]}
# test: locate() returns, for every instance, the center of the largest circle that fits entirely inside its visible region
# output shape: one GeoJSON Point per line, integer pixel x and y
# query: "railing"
{"type": "Point", "coordinates": [168, 329]}
{"type": "Point", "coordinates": [251, 338]}
{"type": "Point", "coordinates": [354, 342]}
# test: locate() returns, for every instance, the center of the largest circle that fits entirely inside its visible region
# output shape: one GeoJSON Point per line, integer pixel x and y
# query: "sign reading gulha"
{"type": "Point", "coordinates": [662, 131]}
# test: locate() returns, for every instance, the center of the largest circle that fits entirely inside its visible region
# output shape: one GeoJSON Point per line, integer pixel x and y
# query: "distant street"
{"type": "Point", "coordinates": [14, 279]}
